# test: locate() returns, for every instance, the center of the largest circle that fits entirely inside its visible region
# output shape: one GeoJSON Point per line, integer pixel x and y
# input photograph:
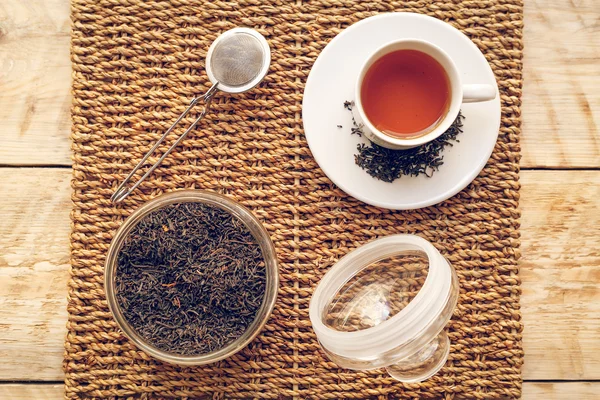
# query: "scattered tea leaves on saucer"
{"type": "Point", "coordinates": [388, 165]}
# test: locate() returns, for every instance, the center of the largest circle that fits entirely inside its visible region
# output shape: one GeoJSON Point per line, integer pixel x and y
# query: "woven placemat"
{"type": "Point", "coordinates": [138, 63]}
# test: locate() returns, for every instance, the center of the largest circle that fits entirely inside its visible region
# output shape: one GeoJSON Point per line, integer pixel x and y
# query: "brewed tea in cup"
{"type": "Point", "coordinates": [409, 93]}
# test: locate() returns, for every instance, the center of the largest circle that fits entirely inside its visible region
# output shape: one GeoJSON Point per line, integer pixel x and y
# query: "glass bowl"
{"type": "Point", "coordinates": [386, 304]}
{"type": "Point", "coordinates": [257, 231]}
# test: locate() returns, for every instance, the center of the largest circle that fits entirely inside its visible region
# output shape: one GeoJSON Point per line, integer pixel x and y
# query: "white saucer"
{"type": "Point", "coordinates": [332, 80]}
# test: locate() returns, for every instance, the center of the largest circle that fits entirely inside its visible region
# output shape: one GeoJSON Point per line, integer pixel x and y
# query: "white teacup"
{"type": "Point", "coordinates": [459, 94]}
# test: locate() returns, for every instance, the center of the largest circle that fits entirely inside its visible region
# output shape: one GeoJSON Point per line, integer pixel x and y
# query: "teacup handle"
{"type": "Point", "coordinates": [478, 92]}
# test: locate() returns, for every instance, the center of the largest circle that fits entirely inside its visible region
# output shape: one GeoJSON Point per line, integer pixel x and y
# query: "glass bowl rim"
{"type": "Point", "coordinates": [425, 310]}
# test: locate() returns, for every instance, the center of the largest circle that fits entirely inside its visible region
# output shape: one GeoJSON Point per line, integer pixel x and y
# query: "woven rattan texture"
{"type": "Point", "coordinates": [136, 66]}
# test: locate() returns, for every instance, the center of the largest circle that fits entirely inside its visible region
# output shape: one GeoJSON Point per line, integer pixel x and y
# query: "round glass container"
{"type": "Point", "coordinates": [386, 304]}
{"type": "Point", "coordinates": [257, 231]}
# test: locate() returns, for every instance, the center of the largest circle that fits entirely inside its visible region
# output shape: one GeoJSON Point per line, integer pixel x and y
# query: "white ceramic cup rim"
{"type": "Point", "coordinates": [456, 90]}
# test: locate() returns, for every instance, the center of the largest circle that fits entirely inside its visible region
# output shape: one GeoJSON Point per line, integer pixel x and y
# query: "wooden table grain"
{"type": "Point", "coordinates": [560, 198]}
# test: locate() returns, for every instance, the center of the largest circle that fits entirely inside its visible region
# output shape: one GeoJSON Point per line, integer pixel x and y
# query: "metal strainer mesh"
{"type": "Point", "coordinates": [237, 59]}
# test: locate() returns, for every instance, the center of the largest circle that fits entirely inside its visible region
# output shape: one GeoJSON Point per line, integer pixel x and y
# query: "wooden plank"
{"type": "Point", "coordinates": [561, 94]}
{"type": "Point", "coordinates": [560, 234]}
{"type": "Point", "coordinates": [531, 391]}
{"type": "Point", "coordinates": [34, 262]}
{"type": "Point", "coordinates": [560, 390]}
{"type": "Point", "coordinates": [15, 391]}
{"type": "Point", "coordinates": [35, 73]}
{"type": "Point", "coordinates": [560, 231]}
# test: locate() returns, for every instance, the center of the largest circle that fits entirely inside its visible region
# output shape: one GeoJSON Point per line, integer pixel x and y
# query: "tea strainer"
{"type": "Point", "coordinates": [236, 62]}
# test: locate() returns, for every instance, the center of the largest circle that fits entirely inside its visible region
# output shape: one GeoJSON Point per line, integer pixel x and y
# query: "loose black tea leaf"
{"type": "Point", "coordinates": [356, 129]}
{"type": "Point", "coordinates": [388, 165]}
{"type": "Point", "coordinates": [190, 278]}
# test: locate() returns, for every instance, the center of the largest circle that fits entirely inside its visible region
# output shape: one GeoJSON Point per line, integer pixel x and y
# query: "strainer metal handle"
{"type": "Point", "coordinates": [124, 190]}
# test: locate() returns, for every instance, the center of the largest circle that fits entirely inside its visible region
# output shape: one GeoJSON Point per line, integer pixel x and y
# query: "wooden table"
{"type": "Point", "coordinates": [560, 175]}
